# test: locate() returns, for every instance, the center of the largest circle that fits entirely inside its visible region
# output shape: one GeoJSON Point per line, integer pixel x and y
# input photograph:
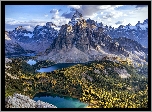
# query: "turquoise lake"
{"type": "Point", "coordinates": [62, 102]}
{"type": "Point", "coordinates": [58, 101]}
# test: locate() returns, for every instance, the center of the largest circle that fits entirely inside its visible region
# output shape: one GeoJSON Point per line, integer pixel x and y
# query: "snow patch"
{"type": "Point", "coordinates": [139, 53]}
{"type": "Point", "coordinates": [144, 27]}
{"type": "Point", "coordinates": [39, 27]}
{"type": "Point", "coordinates": [6, 37]}
{"type": "Point", "coordinates": [29, 35]}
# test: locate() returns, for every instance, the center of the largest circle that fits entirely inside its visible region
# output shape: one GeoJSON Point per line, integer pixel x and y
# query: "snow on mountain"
{"type": "Point", "coordinates": [11, 46]}
{"type": "Point", "coordinates": [143, 26]}
{"type": "Point", "coordinates": [38, 40]}
{"type": "Point", "coordinates": [139, 32]}
{"type": "Point", "coordinates": [28, 34]}
{"type": "Point", "coordinates": [94, 41]}
{"type": "Point", "coordinates": [84, 40]}
{"type": "Point", "coordinates": [7, 37]}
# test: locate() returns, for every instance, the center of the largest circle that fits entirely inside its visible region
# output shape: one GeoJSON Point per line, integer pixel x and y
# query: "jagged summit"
{"type": "Point", "coordinates": [50, 24]}
{"type": "Point", "coordinates": [77, 16]}
{"type": "Point", "coordinates": [20, 28]}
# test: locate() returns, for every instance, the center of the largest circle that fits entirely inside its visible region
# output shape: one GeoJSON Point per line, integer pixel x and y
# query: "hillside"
{"type": "Point", "coordinates": [121, 85]}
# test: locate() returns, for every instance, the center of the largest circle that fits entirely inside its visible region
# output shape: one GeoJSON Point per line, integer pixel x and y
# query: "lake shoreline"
{"type": "Point", "coordinates": [48, 94]}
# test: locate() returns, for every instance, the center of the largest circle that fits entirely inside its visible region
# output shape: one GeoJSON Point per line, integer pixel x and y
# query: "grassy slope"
{"type": "Point", "coordinates": [89, 83]}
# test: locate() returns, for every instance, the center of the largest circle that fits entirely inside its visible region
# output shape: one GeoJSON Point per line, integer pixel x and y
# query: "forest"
{"type": "Point", "coordinates": [96, 83]}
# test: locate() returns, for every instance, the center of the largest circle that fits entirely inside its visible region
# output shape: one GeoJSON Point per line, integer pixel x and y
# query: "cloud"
{"type": "Point", "coordinates": [141, 6]}
{"type": "Point", "coordinates": [29, 28]}
{"type": "Point", "coordinates": [60, 10]}
{"type": "Point", "coordinates": [46, 15]}
{"type": "Point", "coordinates": [60, 20]}
{"type": "Point", "coordinates": [117, 14]}
{"type": "Point", "coordinates": [85, 10]}
{"type": "Point", "coordinates": [120, 22]}
{"type": "Point", "coordinates": [54, 11]}
{"type": "Point", "coordinates": [89, 10]}
{"type": "Point", "coordinates": [23, 18]}
{"type": "Point", "coordinates": [104, 7]}
{"type": "Point", "coordinates": [108, 16]}
{"type": "Point", "coordinates": [68, 15]}
{"type": "Point", "coordinates": [114, 14]}
{"type": "Point", "coordinates": [11, 24]}
{"type": "Point", "coordinates": [74, 6]}
{"type": "Point", "coordinates": [30, 25]}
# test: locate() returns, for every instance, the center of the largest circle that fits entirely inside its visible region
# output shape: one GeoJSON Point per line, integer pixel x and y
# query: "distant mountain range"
{"type": "Point", "coordinates": [139, 32]}
{"type": "Point", "coordinates": [38, 40]}
{"type": "Point", "coordinates": [83, 40]}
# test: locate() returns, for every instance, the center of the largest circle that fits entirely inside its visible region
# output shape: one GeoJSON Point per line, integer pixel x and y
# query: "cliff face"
{"type": "Point", "coordinates": [11, 46]}
{"type": "Point", "coordinates": [84, 40]}
{"type": "Point", "coordinates": [21, 101]}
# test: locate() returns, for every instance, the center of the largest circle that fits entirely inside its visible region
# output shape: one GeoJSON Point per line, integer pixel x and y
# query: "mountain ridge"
{"type": "Point", "coordinates": [91, 39]}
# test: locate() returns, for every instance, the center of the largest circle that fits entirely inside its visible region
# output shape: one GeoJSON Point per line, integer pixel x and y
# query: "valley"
{"type": "Point", "coordinates": [96, 83]}
{"type": "Point", "coordinates": [83, 65]}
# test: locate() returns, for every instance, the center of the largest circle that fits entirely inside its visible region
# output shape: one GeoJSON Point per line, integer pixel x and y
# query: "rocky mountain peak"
{"type": "Point", "coordinates": [7, 36]}
{"type": "Point", "coordinates": [77, 15]}
{"type": "Point", "coordinates": [145, 21]}
{"type": "Point", "coordinates": [93, 39]}
{"type": "Point", "coordinates": [50, 24]}
{"type": "Point", "coordinates": [20, 28]}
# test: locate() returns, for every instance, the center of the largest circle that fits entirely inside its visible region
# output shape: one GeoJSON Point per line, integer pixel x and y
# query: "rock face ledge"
{"type": "Point", "coordinates": [21, 101]}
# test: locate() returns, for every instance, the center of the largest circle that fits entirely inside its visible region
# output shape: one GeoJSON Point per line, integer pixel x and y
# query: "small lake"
{"type": "Point", "coordinates": [56, 66]}
{"type": "Point", "coordinates": [58, 101]}
{"type": "Point", "coordinates": [62, 102]}
{"type": "Point", "coordinates": [31, 62]}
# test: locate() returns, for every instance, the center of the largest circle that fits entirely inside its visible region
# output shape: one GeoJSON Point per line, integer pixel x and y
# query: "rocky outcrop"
{"type": "Point", "coordinates": [11, 46]}
{"type": "Point", "coordinates": [91, 39]}
{"type": "Point", "coordinates": [122, 72]}
{"type": "Point", "coordinates": [72, 55]}
{"type": "Point", "coordinates": [21, 101]}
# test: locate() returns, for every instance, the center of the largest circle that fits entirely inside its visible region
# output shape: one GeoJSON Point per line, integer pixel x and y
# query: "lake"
{"type": "Point", "coordinates": [53, 67]}
{"type": "Point", "coordinates": [56, 66]}
{"type": "Point", "coordinates": [62, 102]}
{"type": "Point", "coordinates": [31, 62]}
{"type": "Point", "coordinates": [58, 101]}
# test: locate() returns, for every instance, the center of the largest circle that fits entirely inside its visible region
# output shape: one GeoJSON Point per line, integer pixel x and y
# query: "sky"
{"type": "Point", "coordinates": [30, 16]}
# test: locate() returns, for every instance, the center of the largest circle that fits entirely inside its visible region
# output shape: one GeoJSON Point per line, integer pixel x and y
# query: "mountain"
{"type": "Point", "coordinates": [86, 40]}
{"type": "Point", "coordinates": [139, 32]}
{"type": "Point", "coordinates": [21, 34]}
{"type": "Point", "coordinates": [11, 46]}
{"type": "Point", "coordinates": [38, 40]}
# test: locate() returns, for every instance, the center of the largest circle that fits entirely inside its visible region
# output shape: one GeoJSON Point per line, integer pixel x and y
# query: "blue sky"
{"type": "Point", "coordinates": [29, 16]}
